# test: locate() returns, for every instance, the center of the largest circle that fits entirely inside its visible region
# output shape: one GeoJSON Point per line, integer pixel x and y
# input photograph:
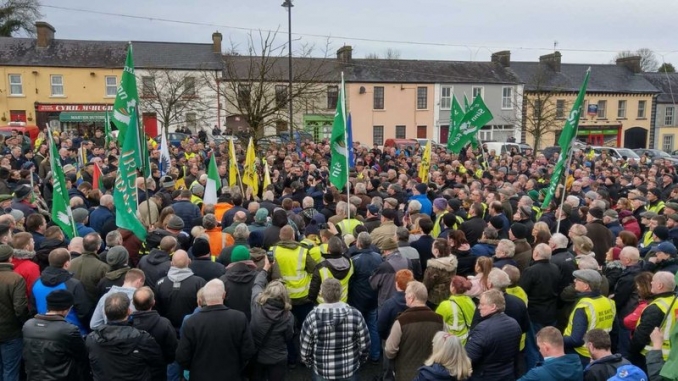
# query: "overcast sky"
{"type": "Point", "coordinates": [587, 32]}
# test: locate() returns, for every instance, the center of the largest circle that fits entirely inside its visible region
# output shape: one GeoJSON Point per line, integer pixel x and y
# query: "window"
{"type": "Point", "coordinates": [280, 95]}
{"type": "Point", "coordinates": [537, 108]}
{"type": "Point", "coordinates": [243, 95]}
{"type": "Point", "coordinates": [669, 116]}
{"type": "Point", "coordinates": [378, 135]}
{"type": "Point", "coordinates": [621, 110]}
{"type": "Point", "coordinates": [111, 85]}
{"type": "Point", "coordinates": [422, 132]}
{"type": "Point", "coordinates": [378, 103]}
{"type": "Point", "coordinates": [189, 86]}
{"type": "Point", "coordinates": [560, 109]}
{"type": "Point", "coordinates": [332, 97]}
{"type": "Point", "coordinates": [191, 121]}
{"type": "Point", "coordinates": [601, 109]}
{"type": "Point", "coordinates": [15, 86]}
{"type": "Point", "coordinates": [401, 132]}
{"type": "Point", "coordinates": [667, 143]}
{"type": "Point", "coordinates": [445, 98]}
{"type": "Point", "coordinates": [422, 98]}
{"type": "Point", "coordinates": [477, 90]}
{"type": "Point", "coordinates": [57, 82]}
{"type": "Point", "coordinates": [147, 86]}
{"type": "Point", "coordinates": [507, 98]}
{"type": "Point", "coordinates": [641, 109]}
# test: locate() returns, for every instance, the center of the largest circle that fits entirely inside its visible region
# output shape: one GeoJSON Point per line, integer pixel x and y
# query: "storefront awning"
{"type": "Point", "coordinates": [82, 117]}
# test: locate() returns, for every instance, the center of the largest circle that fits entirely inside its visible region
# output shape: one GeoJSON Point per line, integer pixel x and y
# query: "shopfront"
{"type": "Point", "coordinates": [600, 135]}
{"type": "Point", "coordinates": [83, 118]}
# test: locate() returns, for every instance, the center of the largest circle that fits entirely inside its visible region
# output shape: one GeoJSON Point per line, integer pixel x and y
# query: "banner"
{"type": "Point", "coordinates": [127, 98]}
{"type": "Point", "coordinates": [62, 215]}
{"type": "Point", "coordinates": [339, 164]}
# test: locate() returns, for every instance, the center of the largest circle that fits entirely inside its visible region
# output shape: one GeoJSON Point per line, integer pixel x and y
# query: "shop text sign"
{"type": "Point", "coordinates": [73, 107]}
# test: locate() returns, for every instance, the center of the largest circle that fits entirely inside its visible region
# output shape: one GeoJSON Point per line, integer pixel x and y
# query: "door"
{"type": "Point", "coordinates": [150, 120]}
{"type": "Point", "coordinates": [595, 140]}
{"type": "Point", "coordinates": [17, 116]}
{"type": "Point", "coordinates": [421, 132]}
{"type": "Point", "coordinates": [635, 137]}
{"type": "Point", "coordinates": [444, 134]}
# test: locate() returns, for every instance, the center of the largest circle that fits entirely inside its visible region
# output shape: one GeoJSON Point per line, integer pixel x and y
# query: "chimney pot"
{"type": "Point", "coordinates": [631, 63]}
{"type": "Point", "coordinates": [345, 53]}
{"type": "Point", "coordinates": [45, 34]}
{"type": "Point", "coordinates": [216, 42]}
{"type": "Point", "coordinates": [503, 58]}
{"type": "Point", "coordinates": [552, 60]}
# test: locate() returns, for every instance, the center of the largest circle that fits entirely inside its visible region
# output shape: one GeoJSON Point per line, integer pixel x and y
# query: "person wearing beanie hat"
{"type": "Point", "coordinates": [81, 217]}
{"type": "Point", "coordinates": [523, 252]}
{"type": "Point", "coordinates": [654, 202]}
{"type": "Point", "coordinates": [591, 311]}
{"type": "Point", "coordinates": [260, 220]}
{"type": "Point", "coordinates": [202, 264]}
{"type": "Point", "coordinates": [49, 347]}
{"type": "Point", "coordinates": [419, 194]}
{"type": "Point", "coordinates": [602, 237]}
{"type": "Point", "coordinates": [118, 259]}
{"type": "Point", "coordinates": [239, 279]}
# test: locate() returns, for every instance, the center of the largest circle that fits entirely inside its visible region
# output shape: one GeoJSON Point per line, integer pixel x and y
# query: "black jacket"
{"type": "Point", "coordinates": [540, 282]}
{"type": "Point", "coordinates": [175, 295]}
{"type": "Point", "coordinates": [493, 346]}
{"type": "Point", "coordinates": [625, 295]}
{"type": "Point", "coordinates": [466, 262]}
{"type": "Point", "coordinates": [54, 350]}
{"type": "Point", "coordinates": [239, 278]}
{"type": "Point", "coordinates": [162, 331]}
{"type": "Point", "coordinates": [473, 229]}
{"type": "Point", "coordinates": [155, 266]}
{"type": "Point", "coordinates": [604, 368]}
{"type": "Point", "coordinates": [274, 350]}
{"type": "Point", "coordinates": [206, 269]}
{"type": "Point", "coordinates": [120, 352]}
{"type": "Point", "coordinates": [46, 247]}
{"type": "Point", "coordinates": [360, 293]}
{"type": "Point", "coordinates": [216, 343]}
{"type": "Point", "coordinates": [650, 318]}
{"type": "Point", "coordinates": [565, 262]}
{"type": "Point", "coordinates": [423, 246]}
{"type": "Point", "coordinates": [515, 308]}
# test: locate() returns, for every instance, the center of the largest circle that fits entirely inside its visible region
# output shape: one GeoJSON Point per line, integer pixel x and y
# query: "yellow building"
{"type": "Point", "coordinates": [618, 103]}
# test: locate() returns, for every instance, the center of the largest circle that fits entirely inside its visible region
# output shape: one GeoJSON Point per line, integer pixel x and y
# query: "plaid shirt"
{"type": "Point", "coordinates": [334, 340]}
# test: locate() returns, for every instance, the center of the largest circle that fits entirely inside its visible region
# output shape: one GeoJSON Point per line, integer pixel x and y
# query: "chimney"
{"type": "Point", "coordinates": [216, 42]}
{"type": "Point", "coordinates": [45, 33]}
{"type": "Point", "coordinates": [503, 58]}
{"type": "Point", "coordinates": [631, 63]}
{"type": "Point", "coordinates": [552, 60]}
{"type": "Point", "coordinates": [344, 54]}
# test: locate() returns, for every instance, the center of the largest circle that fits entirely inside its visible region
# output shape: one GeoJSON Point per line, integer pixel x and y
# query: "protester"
{"type": "Point", "coordinates": [448, 360]}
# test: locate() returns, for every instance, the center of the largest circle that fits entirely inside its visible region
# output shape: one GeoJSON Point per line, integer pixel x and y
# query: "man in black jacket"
{"type": "Point", "coordinates": [603, 364]}
{"type": "Point", "coordinates": [147, 319]}
{"type": "Point", "coordinates": [121, 352]}
{"type": "Point", "coordinates": [176, 293]}
{"type": "Point", "coordinates": [474, 227]}
{"type": "Point", "coordinates": [53, 348]}
{"type": "Point", "coordinates": [210, 349]}
{"type": "Point", "coordinates": [425, 243]}
{"type": "Point", "coordinates": [202, 264]}
{"type": "Point", "coordinates": [625, 297]}
{"type": "Point", "coordinates": [540, 282]}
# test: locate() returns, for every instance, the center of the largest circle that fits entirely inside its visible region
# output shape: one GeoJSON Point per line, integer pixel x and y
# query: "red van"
{"type": "Point", "coordinates": [20, 127]}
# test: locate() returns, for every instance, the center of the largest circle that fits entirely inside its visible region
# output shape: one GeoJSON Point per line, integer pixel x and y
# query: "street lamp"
{"type": "Point", "coordinates": [288, 4]}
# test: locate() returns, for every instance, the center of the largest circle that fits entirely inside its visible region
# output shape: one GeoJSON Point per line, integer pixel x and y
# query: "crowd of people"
{"type": "Point", "coordinates": [459, 276]}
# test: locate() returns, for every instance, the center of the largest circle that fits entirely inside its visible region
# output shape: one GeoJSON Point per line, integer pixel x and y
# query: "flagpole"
{"type": "Point", "coordinates": [569, 163]}
{"type": "Point", "coordinates": [142, 138]}
{"type": "Point", "coordinates": [70, 215]}
{"type": "Point", "coordinates": [348, 176]}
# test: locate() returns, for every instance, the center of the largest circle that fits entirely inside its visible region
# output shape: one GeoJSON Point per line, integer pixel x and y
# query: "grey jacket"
{"type": "Point", "coordinates": [274, 350]}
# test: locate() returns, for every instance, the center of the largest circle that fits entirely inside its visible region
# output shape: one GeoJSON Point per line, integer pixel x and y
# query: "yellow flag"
{"type": "Point", "coordinates": [267, 174]}
{"type": "Point", "coordinates": [425, 166]}
{"type": "Point", "coordinates": [250, 176]}
{"type": "Point", "coordinates": [233, 166]}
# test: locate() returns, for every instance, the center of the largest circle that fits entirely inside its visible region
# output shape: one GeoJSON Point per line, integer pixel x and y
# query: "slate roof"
{"type": "Point", "coordinates": [667, 83]}
{"type": "Point", "coordinates": [107, 54]}
{"type": "Point", "coordinates": [604, 78]}
{"type": "Point", "coordinates": [242, 68]}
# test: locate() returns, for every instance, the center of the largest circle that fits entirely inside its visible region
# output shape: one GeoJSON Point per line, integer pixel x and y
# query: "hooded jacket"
{"type": "Point", "coordinates": [437, 278]}
{"type": "Point", "coordinates": [121, 352]}
{"type": "Point", "coordinates": [175, 294]}
{"type": "Point", "coordinates": [112, 278]}
{"type": "Point", "coordinates": [26, 267]}
{"type": "Point", "coordinates": [98, 316]}
{"type": "Point", "coordinates": [155, 266]}
{"type": "Point", "coordinates": [338, 265]}
{"type": "Point", "coordinates": [563, 368]}
{"type": "Point", "coordinates": [484, 247]}
{"type": "Point", "coordinates": [383, 278]}
{"type": "Point", "coordinates": [360, 293]}
{"type": "Point", "coordinates": [54, 278]}
{"type": "Point", "coordinates": [13, 303]}
{"type": "Point", "coordinates": [162, 331]}
{"type": "Point", "coordinates": [239, 279]}
{"type": "Point", "coordinates": [273, 312]}
{"type": "Point", "coordinates": [605, 367]}
{"type": "Point", "coordinates": [42, 253]}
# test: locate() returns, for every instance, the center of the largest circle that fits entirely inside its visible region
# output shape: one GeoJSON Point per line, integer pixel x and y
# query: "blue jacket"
{"type": "Point", "coordinates": [389, 312]}
{"type": "Point", "coordinates": [615, 228]}
{"type": "Point", "coordinates": [484, 249]}
{"type": "Point", "coordinates": [53, 278]}
{"type": "Point", "coordinates": [435, 372]}
{"type": "Point", "coordinates": [37, 238]}
{"type": "Point", "coordinates": [99, 217]}
{"type": "Point", "coordinates": [426, 205]}
{"type": "Point", "coordinates": [360, 293]}
{"type": "Point", "coordinates": [492, 347]}
{"type": "Point", "coordinates": [188, 213]}
{"type": "Point", "coordinates": [563, 368]}
{"type": "Point", "coordinates": [83, 230]}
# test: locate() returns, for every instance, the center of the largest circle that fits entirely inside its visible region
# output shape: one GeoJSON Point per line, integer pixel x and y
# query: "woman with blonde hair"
{"type": "Point", "coordinates": [458, 310]}
{"type": "Point", "coordinates": [272, 326]}
{"type": "Point", "coordinates": [448, 360]}
{"type": "Point", "coordinates": [479, 283]}
{"type": "Point", "coordinates": [541, 233]}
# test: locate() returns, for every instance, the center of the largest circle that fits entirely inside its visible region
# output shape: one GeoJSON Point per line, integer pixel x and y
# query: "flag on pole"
{"type": "Point", "coordinates": [476, 116]}
{"type": "Point", "coordinates": [97, 177]}
{"type": "Point", "coordinates": [108, 136]}
{"type": "Point", "coordinates": [61, 209]}
{"type": "Point", "coordinates": [250, 176]}
{"type": "Point", "coordinates": [165, 161]}
{"type": "Point", "coordinates": [465, 103]}
{"type": "Point", "coordinates": [425, 165]}
{"type": "Point", "coordinates": [233, 165]}
{"type": "Point", "coordinates": [456, 116]}
{"type": "Point", "coordinates": [338, 166]}
{"type": "Point", "coordinates": [125, 195]}
{"type": "Point", "coordinates": [127, 98]}
{"type": "Point", "coordinates": [567, 135]}
{"type": "Point", "coordinates": [267, 174]}
{"type": "Point", "coordinates": [351, 153]}
{"type": "Point", "coordinates": [474, 139]}
{"type": "Point", "coordinates": [213, 180]}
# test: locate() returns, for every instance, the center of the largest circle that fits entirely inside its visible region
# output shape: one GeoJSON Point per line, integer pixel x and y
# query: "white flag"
{"type": "Point", "coordinates": [165, 162]}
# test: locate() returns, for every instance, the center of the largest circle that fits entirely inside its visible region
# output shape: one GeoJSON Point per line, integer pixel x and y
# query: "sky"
{"type": "Point", "coordinates": [464, 30]}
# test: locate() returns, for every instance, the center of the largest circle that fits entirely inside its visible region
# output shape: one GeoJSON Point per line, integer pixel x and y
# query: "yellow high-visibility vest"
{"type": "Point", "coordinates": [292, 264]}
{"type": "Point", "coordinates": [600, 312]}
{"type": "Point", "coordinates": [663, 303]}
{"type": "Point", "coordinates": [325, 273]}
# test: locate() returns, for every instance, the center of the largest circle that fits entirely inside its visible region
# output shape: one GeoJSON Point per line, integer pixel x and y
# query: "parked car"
{"type": "Point", "coordinates": [656, 154]}
{"type": "Point", "coordinates": [408, 143]}
{"type": "Point", "coordinates": [434, 144]}
{"type": "Point", "coordinates": [174, 138]}
{"type": "Point", "coordinates": [302, 135]}
{"type": "Point", "coordinates": [501, 148]}
{"type": "Point", "coordinates": [617, 153]}
{"type": "Point", "coordinates": [524, 147]}
{"type": "Point", "coordinates": [20, 127]}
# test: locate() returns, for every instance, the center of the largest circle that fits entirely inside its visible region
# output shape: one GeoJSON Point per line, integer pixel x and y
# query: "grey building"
{"type": "Point", "coordinates": [664, 121]}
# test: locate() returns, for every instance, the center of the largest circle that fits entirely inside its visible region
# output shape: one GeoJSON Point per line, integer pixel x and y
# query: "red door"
{"type": "Point", "coordinates": [596, 140]}
{"type": "Point", "coordinates": [150, 124]}
{"type": "Point", "coordinates": [444, 134]}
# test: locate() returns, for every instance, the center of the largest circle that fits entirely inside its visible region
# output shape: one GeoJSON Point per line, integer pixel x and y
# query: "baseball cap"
{"type": "Point", "coordinates": [629, 373]}
{"type": "Point", "coordinates": [667, 248]}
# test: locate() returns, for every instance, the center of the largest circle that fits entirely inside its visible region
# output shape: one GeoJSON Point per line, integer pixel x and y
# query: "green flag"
{"type": "Point", "coordinates": [477, 115]}
{"type": "Point", "coordinates": [456, 116]}
{"type": "Point", "coordinates": [568, 134]}
{"type": "Point", "coordinates": [125, 195]}
{"type": "Point", "coordinates": [339, 164]}
{"type": "Point", "coordinates": [108, 136]}
{"type": "Point", "coordinates": [127, 98]}
{"type": "Point", "coordinates": [61, 209]}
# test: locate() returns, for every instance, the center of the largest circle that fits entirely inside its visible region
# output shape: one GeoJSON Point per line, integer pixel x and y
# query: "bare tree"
{"type": "Point", "coordinates": [175, 96]}
{"type": "Point", "coordinates": [255, 85]}
{"type": "Point", "coordinates": [648, 60]}
{"type": "Point", "coordinates": [389, 54]}
{"type": "Point", "coordinates": [18, 15]}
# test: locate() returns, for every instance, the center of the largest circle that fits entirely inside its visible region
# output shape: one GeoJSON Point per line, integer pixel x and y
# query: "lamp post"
{"type": "Point", "coordinates": [288, 4]}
